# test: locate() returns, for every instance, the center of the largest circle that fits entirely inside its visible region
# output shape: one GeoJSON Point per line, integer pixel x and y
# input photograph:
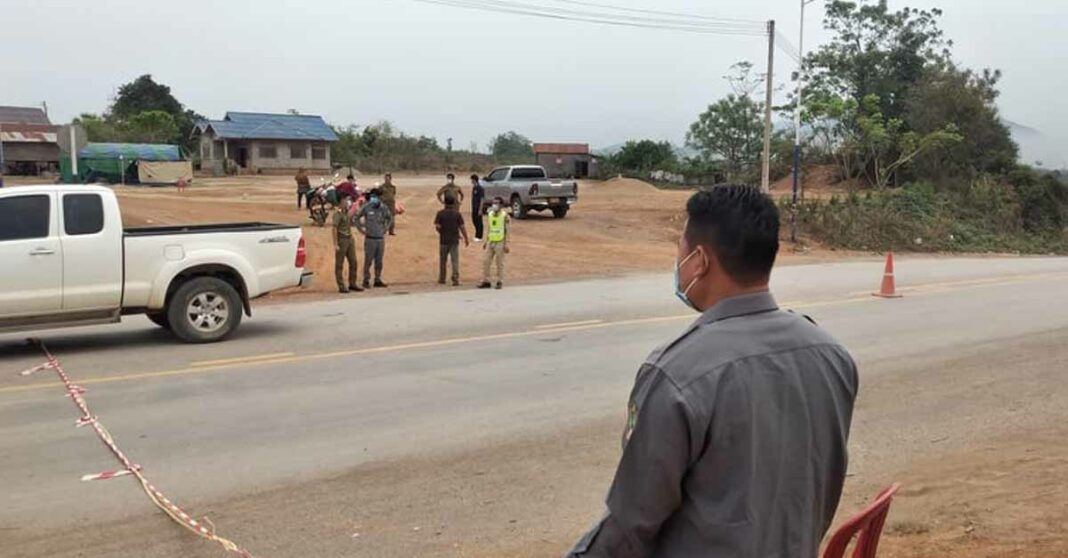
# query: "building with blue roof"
{"type": "Point", "coordinates": [261, 142]}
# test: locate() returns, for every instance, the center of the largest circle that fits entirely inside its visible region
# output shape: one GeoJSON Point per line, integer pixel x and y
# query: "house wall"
{"type": "Point", "coordinates": [284, 158]}
{"type": "Point", "coordinates": [563, 166]}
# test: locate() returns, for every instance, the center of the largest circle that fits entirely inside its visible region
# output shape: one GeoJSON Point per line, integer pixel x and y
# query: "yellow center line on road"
{"type": "Point", "coordinates": [568, 324]}
{"type": "Point", "coordinates": [254, 361]}
{"type": "Point", "coordinates": [243, 359]}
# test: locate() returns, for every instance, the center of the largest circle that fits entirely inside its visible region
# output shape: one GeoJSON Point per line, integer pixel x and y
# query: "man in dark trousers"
{"type": "Point", "coordinates": [373, 220]}
{"type": "Point", "coordinates": [450, 226]}
{"type": "Point", "coordinates": [735, 442]}
{"type": "Point", "coordinates": [478, 195]}
{"type": "Point", "coordinates": [344, 247]}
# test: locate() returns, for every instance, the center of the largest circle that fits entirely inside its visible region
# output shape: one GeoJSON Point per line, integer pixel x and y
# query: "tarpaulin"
{"type": "Point", "coordinates": [163, 172]}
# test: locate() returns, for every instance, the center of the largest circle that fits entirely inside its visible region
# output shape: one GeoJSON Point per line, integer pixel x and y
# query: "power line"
{"type": "Point", "coordinates": [501, 6]}
{"type": "Point", "coordinates": [658, 12]}
{"type": "Point", "coordinates": [784, 44]}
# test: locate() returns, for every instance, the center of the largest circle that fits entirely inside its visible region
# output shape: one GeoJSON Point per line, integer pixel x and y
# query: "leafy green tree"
{"type": "Point", "coordinates": [144, 95]}
{"type": "Point", "coordinates": [730, 130]}
{"type": "Point", "coordinates": [890, 146]}
{"type": "Point", "coordinates": [948, 94]}
{"type": "Point", "coordinates": [512, 147]}
{"type": "Point", "coordinates": [646, 155]}
{"type": "Point", "coordinates": [152, 126]}
{"type": "Point", "coordinates": [99, 129]}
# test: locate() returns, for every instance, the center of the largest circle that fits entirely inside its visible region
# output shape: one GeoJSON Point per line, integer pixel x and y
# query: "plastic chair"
{"type": "Point", "coordinates": [866, 526]}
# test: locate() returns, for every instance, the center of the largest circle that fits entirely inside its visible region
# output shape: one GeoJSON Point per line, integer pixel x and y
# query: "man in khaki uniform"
{"type": "Point", "coordinates": [496, 245]}
{"type": "Point", "coordinates": [389, 199]}
{"type": "Point", "coordinates": [344, 247]}
{"type": "Point", "coordinates": [451, 189]}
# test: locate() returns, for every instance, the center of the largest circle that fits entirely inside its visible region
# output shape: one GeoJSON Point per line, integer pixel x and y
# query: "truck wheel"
{"type": "Point", "coordinates": [560, 212]}
{"type": "Point", "coordinates": [519, 211]}
{"type": "Point", "coordinates": [204, 310]}
{"type": "Point", "coordinates": [160, 319]}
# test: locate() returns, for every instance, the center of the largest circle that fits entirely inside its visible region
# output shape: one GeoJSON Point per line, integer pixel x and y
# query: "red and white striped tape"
{"type": "Point", "coordinates": [75, 392]}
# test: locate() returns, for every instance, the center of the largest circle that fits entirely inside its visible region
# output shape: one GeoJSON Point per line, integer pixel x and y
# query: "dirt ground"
{"type": "Point", "coordinates": [618, 227]}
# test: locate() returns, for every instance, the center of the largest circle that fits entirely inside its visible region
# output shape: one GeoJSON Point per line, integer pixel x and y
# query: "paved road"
{"type": "Point", "coordinates": [309, 391]}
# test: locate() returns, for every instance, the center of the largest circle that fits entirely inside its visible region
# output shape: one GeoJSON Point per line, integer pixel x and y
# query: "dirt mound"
{"type": "Point", "coordinates": [815, 179]}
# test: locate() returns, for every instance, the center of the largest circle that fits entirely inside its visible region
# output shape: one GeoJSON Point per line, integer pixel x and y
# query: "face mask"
{"type": "Point", "coordinates": [374, 200]}
{"type": "Point", "coordinates": [681, 293]}
{"type": "Point", "coordinates": [496, 207]}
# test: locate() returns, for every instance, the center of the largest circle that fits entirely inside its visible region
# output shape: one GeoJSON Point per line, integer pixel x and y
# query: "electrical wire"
{"type": "Point", "coordinates": [520, 8]}
{"type": "Point", "coordinates": [659, 12]}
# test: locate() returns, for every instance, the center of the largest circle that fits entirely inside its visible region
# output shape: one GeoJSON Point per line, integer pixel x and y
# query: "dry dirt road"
{"type": "Point", "coordinates": [486, 424]}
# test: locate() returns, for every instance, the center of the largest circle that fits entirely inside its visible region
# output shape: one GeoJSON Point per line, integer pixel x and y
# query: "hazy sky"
{"type": "Point", "coordinates": [451, 72]}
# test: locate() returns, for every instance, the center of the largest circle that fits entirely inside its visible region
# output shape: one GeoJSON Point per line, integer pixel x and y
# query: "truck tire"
{"type": "Point", "coordinates": [560, 212]}
{"type": "Point", "coordinates": [204, 310]}
{"type": "Point", "coordinates": [519, 211]}
{"type": "Point", "coordinates": [160, 319]}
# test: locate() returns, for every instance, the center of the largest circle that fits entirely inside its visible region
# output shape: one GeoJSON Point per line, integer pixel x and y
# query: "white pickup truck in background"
{"type": "Point", "coordinates": [67, 261]}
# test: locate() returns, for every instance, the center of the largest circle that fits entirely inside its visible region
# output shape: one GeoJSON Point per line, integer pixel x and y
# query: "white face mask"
{"type": "Point", "coordinates": [683, 294]}
{"type": "Point", "coordinates": [496, 207]}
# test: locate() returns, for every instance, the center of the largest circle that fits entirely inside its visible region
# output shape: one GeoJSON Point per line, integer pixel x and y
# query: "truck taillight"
{"type": "Point", "coordinates": [302, 254]}
{"type": "Point", "coordinates": [534, 190]}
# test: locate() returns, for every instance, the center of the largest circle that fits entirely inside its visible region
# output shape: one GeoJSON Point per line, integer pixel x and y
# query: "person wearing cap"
{"type": "Point", "coordinates": [450, 188]}
{"type": "Point", "coordinates": [389, 199]}
{"type": "Point", "coordinates": [373, 221]}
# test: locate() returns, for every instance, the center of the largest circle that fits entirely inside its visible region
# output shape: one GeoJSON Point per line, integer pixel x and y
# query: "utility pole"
{"type": "Point", "coordinates": [797, 121]}
{"type": "Point", "coordinates": [3, 165]}
{"type": "Point", "coordinates": [765, 175]}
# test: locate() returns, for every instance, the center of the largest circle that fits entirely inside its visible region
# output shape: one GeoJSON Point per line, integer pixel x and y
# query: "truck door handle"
{"type": "Point", "coordinates": [42, 252]}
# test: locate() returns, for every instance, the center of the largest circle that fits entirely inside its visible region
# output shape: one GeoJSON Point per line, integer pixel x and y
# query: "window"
{"type": "Point", "coordinates": [527, 173]}
{"type": "Point", "coordinates": [298, 151]}
{"type": "Point", "coordinates": [268, 152]}
{"type": "Point", "coordinates": [83, 214]}
{"type": "Point", "coordinates": [319, 153]}
{"type": "Point", "coordinates": [497, 174]}
{"type": "Point", "coordinates": [23, 217]}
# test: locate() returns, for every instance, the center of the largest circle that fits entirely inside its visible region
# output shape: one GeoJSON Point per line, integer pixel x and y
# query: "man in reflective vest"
{"type": "Point", "coordinates": [496, 245]}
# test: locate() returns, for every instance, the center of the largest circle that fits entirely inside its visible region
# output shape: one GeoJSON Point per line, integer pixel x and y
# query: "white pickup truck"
{"type": "Point", "coordinates": [68, 261]}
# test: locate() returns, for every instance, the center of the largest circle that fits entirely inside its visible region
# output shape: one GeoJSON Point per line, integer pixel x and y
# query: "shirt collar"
{"type": "Point", "coordinates": [740, 305]}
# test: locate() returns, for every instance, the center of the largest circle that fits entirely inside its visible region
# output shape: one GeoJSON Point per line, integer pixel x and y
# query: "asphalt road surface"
{"type": "Point", "coordinates": [462, 422]}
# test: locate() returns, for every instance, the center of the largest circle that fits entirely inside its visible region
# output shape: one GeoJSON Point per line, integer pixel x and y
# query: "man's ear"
{"type": "Point", "coordinates": [706, 261]}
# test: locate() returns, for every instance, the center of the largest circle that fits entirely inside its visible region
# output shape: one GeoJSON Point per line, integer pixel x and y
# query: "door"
{"type": "Point", "coordinates": [582, 169]}
{"type": "Point", "coordinates": [92, 252]}
{"type": "Point", "coordinates": [496, 185]}
{"type": "Point", "coordinates": [32, 280]}
{"type": "Point", "coordinates": [242, 157]}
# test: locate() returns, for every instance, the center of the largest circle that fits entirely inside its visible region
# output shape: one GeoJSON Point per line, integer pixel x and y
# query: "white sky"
{"type": "Point", "coordinates": [451, 72]}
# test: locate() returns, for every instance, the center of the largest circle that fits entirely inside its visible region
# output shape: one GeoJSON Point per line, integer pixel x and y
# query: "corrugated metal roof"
{"type": "Point", "coordinates": [131, 151]}
{"type": "Point", "coordinates": [562, 148]}
{"type": "Point", "coordinates": [256, 125]}
{"type": "Point", "coordinates": [28, 133]}
{"type": "Point", "coordinates": [25, 115]}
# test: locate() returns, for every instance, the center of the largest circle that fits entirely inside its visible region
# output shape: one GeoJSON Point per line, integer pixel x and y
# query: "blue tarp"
{"type": "Point", "coordinates": [131, 151]}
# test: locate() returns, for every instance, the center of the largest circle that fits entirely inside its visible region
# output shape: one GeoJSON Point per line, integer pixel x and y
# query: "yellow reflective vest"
{"type": "Point", "coordinates": [496, 226]}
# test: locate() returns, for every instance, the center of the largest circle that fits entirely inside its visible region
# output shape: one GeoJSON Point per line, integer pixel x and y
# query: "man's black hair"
{"type": "Point", "coordinates": [450, 175]}
{"type": "Point", "coordinates": [375, 192]}
{"type": "Point", "coordinates": [474, 177]}
{"type": "Point", "coordinates": [740, 225]}
{"type": "Point", "coordinates": [350, 177]}
{"type": "Point", "coordinates": [449, 199]}
{"type": "Point", "coordinates": [499, 200]}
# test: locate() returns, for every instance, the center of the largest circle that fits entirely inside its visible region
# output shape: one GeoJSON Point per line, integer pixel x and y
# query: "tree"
{"type": "Point", "coordinates": [874, 51]}
{"type": "Point", "coordinates": [947, 94]}
{"type": "Point", "coordinates": [890, 146]}
{"type": "Point", "coordinates": [512, 147]}
{"type": "Point", "coordinates": [153, 126]}
{"type": "Point", "coordinates": [143, 95]}
{"type": "Point", "coordinates": [731, 130]}
{"type": "Point", "coordinates": [98, 129]}
{"type": "Point", "coordinates": [646, 155]}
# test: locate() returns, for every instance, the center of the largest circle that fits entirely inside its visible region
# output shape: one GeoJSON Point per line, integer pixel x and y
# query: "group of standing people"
{"type": "Point", "coordinates": [375, 218]}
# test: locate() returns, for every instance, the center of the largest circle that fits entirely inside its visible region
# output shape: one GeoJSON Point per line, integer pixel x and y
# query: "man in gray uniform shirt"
{"type": "Point", "coordinates": [735, 443]}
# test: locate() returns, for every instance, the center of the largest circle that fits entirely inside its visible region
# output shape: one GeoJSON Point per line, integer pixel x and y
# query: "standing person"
{"type": "Point", "coordinates": [389, 199]}
{"type": "Point", "coordinates": [496, 245]}
{"type": "Point", "coordinates": [182, 184]}
{"type": "Point", "coordinates": [478, 195]}
{"type": "Point", "coordinates": [303, 185]}
{"type": "Point", "coordinates": [450, 226]}
{"type": "Point", "coordinates": [373, 221]}
{"type": "Point", "coordinates": [735, 442]}
{"type": "Point", "coordinates": [344, 247]}
{"type": "Point", "coordinates": [450, 187]}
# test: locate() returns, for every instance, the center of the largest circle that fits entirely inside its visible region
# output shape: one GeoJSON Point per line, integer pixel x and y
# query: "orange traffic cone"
{"type": "Point", "coordinates": [888, 290]}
